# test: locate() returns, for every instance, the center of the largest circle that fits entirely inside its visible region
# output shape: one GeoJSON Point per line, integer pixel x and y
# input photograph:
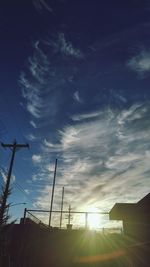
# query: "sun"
{"type": "Point", "coordinates": [93, 219]}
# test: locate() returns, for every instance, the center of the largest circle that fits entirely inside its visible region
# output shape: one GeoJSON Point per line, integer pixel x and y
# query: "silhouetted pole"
{"type": "Point", "coordinates": [51, 207]}
{"type": "Point", "coordinates": [13, 147]}
{"type": "Point", "coordinates": [69, 215]}
{"type": "Point", "coordinates": [62, 203]}
{"type": "Point", "coordinates": [24, 216]}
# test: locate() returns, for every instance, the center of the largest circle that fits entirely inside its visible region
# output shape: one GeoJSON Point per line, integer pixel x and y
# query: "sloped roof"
{"type": "Point", "coordinates": [121, 211]}
{"type": "Point", "coordinates": [131, 211]}
{"type": "Point", "coordinates": [145, 201]}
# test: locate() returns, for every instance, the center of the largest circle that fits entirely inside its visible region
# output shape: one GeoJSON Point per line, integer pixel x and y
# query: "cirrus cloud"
{"type": "Point", "coordinates": [140, 63]}
{"type": "Point", "coordinates": [36, 158]}
{"type": "Point", "coordinates": [103, 160]}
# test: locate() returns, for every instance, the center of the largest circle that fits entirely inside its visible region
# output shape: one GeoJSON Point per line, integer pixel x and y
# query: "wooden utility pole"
{"type": "Point", "coordinates": [62, 203]}
{"type": "Point", "coordinates": [51, 206]}
{"type": "Point", "coordinates": [13, 148]}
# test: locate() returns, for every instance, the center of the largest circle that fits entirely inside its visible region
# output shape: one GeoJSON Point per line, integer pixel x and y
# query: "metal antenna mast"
{"type": "Point", "coordinates": [62, 203]}
{"type": "Point", "coordinates": [51, 206]}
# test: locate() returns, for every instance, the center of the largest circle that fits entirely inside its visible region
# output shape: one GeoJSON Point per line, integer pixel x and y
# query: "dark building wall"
{"type": "Point", "coordinates": [137, 230]}
{"type": "Point", "coordinates": [136, 227]}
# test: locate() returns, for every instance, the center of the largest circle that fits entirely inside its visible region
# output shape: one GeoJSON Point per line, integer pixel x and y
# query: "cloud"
{"type": "Point", "coordinates": [46, 80]}
{"type": "Point", "coordinates": [33, 124]}
{"type": "Point", "coordinates": [103, 154]}
{"type": "Point", "coordinates": [36, 158]}
{"type": "Point", "coordinates": [140, 63]}
{"type": "Point", "coordinates": [102, 161]}
{"type": "Point", "coordinates": [4, 174]}
{"type": "Point", "coordinates": [32, 84]}
{"type": "Point", "coordinates": [86, 116]}
{"type": "Point", "coordinates": [61, 45]}
{"type": "Point", "coordinates": [33, 108]}
{"type": "Point", "coordinates": [31, 137]}
{"type": "Point", "coordinates": [40, 4]}
{"type": "Point", "coordinates": [27, 191]}
{"type": "Point", "coordinates": [77, 97]}
{"type": "Point", "coordinates": [48, 144]}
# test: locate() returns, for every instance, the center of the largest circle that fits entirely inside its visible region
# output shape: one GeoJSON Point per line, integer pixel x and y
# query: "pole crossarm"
{"type": "Point", "coordinates": [14, 144]}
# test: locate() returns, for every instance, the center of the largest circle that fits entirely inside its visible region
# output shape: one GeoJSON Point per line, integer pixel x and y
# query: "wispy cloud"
{"type": "Point", "coordinates": [36, 158]}
{"type": "Point", "coordinates": [32, 84]}
{"type": "Point", "coordinates": [31, 137]}
{"type": "Point", "coordinates": [63, 46]}
{"type": "Point", "coordinates": [103, 155]}
{"type": "Point", "coordinates": [33, 124]}
{"type": "Point", "coordinates": [27, 191]}
{"type": "Point", "coordinates": [77, 97]}
{"type": "Point", "coordinates": [140, 63]}
{"type": "Point", "coordinates": [4, 174]}
{"type": "Point", "coordinates": [86, 116]}
{"type": "Point", "coordinates": [40, 4]}
{"type": "Point", "coordinates": [45, 80]}
{"type": "Point", "coordinates": [104, 160]}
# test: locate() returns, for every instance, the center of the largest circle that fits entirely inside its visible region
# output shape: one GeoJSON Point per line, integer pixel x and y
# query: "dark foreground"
{"type": "Point", "coordinates": [30, 246]}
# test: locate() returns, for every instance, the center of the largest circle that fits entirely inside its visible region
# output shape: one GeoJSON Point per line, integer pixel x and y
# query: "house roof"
{"type": "Point", "coordinates": [121, 211]}
{"type": "Point", "coordinates": [145, 201]}
{"type": "Point", "coordinates": [130, 211]}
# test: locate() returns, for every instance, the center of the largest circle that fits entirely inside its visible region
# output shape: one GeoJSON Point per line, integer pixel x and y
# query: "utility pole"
{"type": "Point", "coordinates": [13, 148]}
{"type": "Point", "coordinates": [51, 206]}
{"type": "Point", "coordinates": [69, 215]}
{"type": "Point", "coordinates": [62, 203]}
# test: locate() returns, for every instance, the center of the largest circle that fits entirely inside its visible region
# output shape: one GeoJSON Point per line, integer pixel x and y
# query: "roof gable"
{"type": "Point", "coordinates": [145, 201]}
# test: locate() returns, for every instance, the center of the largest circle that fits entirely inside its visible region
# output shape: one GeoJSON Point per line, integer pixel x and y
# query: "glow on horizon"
{"type": "Point", "coordinates": [93, 219]}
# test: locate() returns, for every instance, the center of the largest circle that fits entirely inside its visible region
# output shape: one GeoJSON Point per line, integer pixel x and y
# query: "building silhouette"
{"type": "Point", "coordinates": [136, 228]}
{"type": "Point", "coordinates": [135, 218]}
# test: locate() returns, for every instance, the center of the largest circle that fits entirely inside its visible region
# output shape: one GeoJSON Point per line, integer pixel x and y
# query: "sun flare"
{"type": "Point", "coordinates": [93, 220]}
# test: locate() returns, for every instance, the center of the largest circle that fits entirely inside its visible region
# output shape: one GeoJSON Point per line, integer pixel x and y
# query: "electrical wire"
{"type": "Point", "coordinates": [19, 187]}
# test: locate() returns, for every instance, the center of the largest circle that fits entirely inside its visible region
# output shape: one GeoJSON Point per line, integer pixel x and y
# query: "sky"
{"type": "Point", "coordinates": [74, 85]}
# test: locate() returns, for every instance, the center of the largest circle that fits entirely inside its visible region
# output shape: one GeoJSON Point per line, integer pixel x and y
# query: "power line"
{"type": "Point", "coordinates": [19, 187]}
{"type": "Point", "coordinates": [16, 184]}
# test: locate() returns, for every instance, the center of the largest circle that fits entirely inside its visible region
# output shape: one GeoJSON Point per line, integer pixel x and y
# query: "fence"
{"type": "Point", "coordinates": [71, 220]}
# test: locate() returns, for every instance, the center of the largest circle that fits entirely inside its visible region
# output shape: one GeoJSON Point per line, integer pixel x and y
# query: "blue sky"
{"type": "Point", "coordinates": [75, 85]}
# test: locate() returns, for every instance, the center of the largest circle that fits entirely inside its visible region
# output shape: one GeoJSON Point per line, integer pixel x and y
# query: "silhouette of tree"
{"type": "Point", "coordinates": [4, 210]}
